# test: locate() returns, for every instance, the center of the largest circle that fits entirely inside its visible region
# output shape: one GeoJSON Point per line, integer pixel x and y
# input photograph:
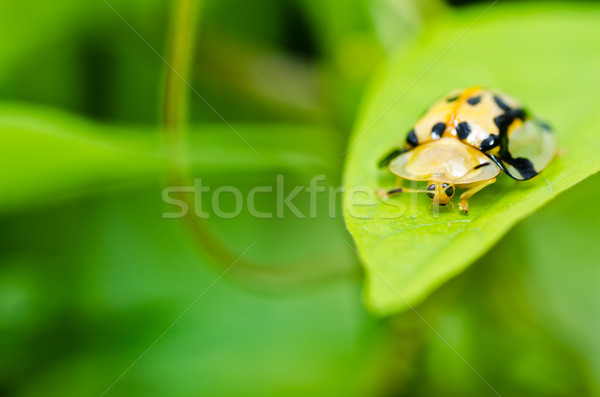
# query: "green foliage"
{"type": "Point", "coordinates": [521, 314]}
{"type": "Point", "coordinates": [79, 56]}
{"type": "Point", "coordinates": [418, 251]}
{"type": "Point", "coordinates": [115, 266]}
{"type": "Point", "coordinates": [54, 155]}
{"type": "Point", "coordinates": [87, 286]}
{"type": "Point", "coordinates": [91, 274]}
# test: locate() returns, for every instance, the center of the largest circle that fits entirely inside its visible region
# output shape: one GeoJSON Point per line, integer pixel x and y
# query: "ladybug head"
{"type": "Point", "coordinates": [440, 193]}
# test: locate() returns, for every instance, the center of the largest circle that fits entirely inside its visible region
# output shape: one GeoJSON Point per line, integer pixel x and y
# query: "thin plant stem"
{"type": "Point", "coordinates": [277, 277]}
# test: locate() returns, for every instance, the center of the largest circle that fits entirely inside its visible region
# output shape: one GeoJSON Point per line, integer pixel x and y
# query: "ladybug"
{"type": "Point", "coordinates": [465, 140]}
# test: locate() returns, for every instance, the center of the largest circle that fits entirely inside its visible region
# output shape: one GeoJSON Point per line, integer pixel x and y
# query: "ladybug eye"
{"type": "Point", "coordinates": [450, 191]}
{"type": "Point", "coordinates": [431, 188]}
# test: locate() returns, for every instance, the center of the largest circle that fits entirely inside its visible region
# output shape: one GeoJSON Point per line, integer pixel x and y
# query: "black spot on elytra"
{"type": "Point", "coordinates": [500, 164]}
{"type": "Point", "coordinates": [463, 130]}
{"type": "Point", "coordinates": [474, 100]}
{"type": "Point", "coordinates": [523, 165]}
{"type": "Point", "coordinates": [489, 143]}
{"type": "Point", "coordinates": [501, 104]}
{"type": "Point", "coordinates": [478, 166]}
{"type": "Point", "coordinates": [503, 122]}
{"type": "Point", "coordinates": [437, 130]}
{"type": "Point", "coordinates": [453, 99]}
{"type": "Point", "coordinates": [411, 138]}
{"type": "Point", "coordinates": [506, 119]}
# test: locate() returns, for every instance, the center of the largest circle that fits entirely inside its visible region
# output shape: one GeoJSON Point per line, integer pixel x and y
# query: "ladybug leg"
{"type": "Point", "coordinates": [387, 159]}
{"type": "Point", "coordinates": [451, 206]}
{"type": "Point", "coordinates": [463, 204]}
{"type": "Point", "coordinates": [385, 194]}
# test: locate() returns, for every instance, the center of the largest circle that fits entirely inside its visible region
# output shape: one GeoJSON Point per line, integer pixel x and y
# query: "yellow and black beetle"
{"type": "Point", "coordinates": [465, 140]}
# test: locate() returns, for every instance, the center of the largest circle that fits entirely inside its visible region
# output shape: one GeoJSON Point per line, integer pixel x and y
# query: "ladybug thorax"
{"type": "Point", "coordinates": [444, 160]}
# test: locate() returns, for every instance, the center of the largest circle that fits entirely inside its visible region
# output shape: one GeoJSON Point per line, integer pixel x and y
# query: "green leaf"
{"type": "Point", "coordinates": [49, 154]}
{"type": "Point", "coordinates": [134, 273]}
{"type": "Point", "coordinates": [548, 63]}
{"type": "Point", "coordinates": [565, 296]}
{"type": "Point", "coordinates": [532, 289]}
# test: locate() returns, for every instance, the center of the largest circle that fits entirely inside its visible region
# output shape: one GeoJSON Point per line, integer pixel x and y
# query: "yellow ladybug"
{"type": "Point", "coordinates": [465, 140]}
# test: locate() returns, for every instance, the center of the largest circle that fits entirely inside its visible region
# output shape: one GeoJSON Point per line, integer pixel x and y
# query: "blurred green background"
{"type": "Point", "coordinates": [91, 274]}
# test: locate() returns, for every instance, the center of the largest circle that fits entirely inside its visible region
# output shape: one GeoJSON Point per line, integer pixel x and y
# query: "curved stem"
{"type": "Point", "coordinates": [181, 37]}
